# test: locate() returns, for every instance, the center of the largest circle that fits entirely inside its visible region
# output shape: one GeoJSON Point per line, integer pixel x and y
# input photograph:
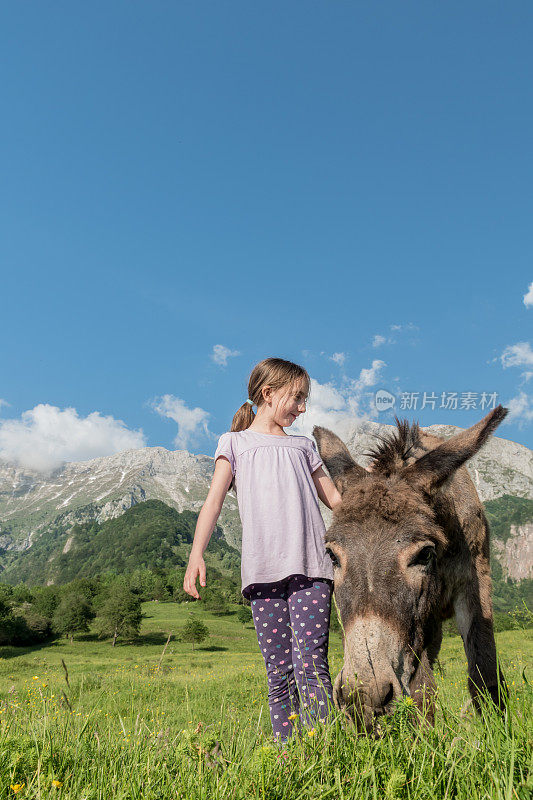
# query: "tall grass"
{"type": "Point", "coordinates": [128, 725]}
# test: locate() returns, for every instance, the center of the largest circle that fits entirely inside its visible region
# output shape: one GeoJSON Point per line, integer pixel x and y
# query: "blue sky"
{"type": "Point", "coordinates": [190, 187]}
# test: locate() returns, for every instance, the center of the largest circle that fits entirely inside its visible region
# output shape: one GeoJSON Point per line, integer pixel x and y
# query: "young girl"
{"type": "Point", "coordinates": [286, 572]}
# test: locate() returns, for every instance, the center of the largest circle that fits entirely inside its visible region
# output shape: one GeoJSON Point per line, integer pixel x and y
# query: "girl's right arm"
{"type": "Point", "coordinates": [205, 524]}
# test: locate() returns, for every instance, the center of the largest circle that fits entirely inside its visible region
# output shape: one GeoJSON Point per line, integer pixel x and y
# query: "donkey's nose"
{"type": "Point", "coordinates": [383, 692]}
{"type": "Point", "coordinates": [386, 694]}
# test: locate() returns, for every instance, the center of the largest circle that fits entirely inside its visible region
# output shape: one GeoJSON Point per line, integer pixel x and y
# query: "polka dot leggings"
{"type": "Point", "coordinates": [291, 619]}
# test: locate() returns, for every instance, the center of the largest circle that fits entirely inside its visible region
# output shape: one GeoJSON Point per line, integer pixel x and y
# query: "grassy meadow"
{"type": "Point", "coordinates": [130, 722]}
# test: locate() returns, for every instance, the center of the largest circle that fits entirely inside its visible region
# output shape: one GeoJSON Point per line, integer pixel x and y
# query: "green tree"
{"type": "Point", "coordinates": [6, 593]}
{"type": "Point", "coordinates": [72, 615]}
{"type": "Point", "coordinates": [21, 594]}
{"type": "Point", "coordinates": [31, 626]}
{"type": "Point", "coordinates": [194, 631]}
{"type": "Point", "coordinates": [244, 614]}
{"type": "Point", "coordinates": [180, 595]}
{"type": "Point", "coordinates": [118, 613]}
{"type": "Point", "coordinates": [142, 582]}
{"type": "Point", "coordinates": [522, 617]}
{"type": "Point", "coordinates": [7, 623]}
{"type": "Point", "coordinates": [45, 600]}
{"type": "Point", "coordinates": [160, 589]}
{"type": "Point", "coordinates": [212, 599]}
{"type": "Point", "coordinates": [234, 595]}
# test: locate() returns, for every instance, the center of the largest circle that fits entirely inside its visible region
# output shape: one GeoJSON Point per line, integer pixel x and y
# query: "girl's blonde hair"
{"type": "Point", "coordinates": [273, 372]}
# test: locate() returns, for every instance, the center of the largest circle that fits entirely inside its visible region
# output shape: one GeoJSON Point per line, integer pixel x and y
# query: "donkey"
{"type": "Point", "coordinates": [410, 548]}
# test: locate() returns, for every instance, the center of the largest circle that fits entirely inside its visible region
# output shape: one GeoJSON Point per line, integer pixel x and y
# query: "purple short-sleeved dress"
{"type": "Point", "coordinates": [282, 527]}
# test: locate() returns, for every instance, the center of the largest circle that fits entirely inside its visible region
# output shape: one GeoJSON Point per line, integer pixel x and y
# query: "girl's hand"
{"type": "Point", "coordinates": [195, 568]}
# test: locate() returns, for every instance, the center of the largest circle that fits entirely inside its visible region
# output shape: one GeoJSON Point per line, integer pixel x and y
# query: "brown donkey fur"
{"type": "Point", "coordinates": [410, 548]}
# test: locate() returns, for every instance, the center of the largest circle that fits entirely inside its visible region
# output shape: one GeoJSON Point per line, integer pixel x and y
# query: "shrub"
{"type": "Point", "coordinates": [193, 631]}
{"type": "Point", "coordinates": [244, 614]}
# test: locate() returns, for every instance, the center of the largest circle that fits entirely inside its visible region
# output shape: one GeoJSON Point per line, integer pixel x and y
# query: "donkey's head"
{"type": "Point", "coordinates": [386, 547]}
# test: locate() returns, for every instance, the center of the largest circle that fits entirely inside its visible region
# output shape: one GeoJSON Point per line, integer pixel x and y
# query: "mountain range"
{"type": "Point", "coordinates": [35, 508]}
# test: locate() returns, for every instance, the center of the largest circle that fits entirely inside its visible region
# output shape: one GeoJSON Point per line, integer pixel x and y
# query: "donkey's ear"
{"type": "Point", "coordinates": [432, 469]}
{"type": "Point", "coordinates": [337, 458]}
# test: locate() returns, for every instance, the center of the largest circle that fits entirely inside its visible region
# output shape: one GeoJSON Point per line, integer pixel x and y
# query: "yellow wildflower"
{"type": "Point", "coordinates": [293, 716]}
{"type": "Point", "coordinates": [311, 733]}
{"type": "Point", "coordinates": [57, 784]}
{"type": "Point", "coordinates": [17, 787]}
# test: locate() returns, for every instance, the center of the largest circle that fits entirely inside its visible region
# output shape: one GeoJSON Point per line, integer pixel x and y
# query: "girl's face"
{"type": "Point", "coordinates": [287, 405]}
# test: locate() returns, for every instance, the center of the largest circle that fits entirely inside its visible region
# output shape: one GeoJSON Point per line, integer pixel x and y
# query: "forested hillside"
{"type": "Point", "coordinates": [149, 535]}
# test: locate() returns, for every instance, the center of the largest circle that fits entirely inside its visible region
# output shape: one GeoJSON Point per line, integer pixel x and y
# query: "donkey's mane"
{"type": "Point", "coordinates": [395, 448]}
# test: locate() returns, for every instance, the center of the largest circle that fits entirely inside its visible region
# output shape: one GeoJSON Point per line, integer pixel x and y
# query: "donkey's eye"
{"type": "Point", "coordinates": [334, 559]}
{"type": "Point", "coordinates": [424, 558]}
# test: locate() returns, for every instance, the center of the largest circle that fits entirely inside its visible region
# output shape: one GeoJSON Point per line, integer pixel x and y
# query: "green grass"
{"type": "Point", "coordinates": [126, 728]}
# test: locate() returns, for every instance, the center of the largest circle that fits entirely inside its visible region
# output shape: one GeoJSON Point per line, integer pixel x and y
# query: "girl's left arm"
{"type": "Point", "coordinates": [326, 489]}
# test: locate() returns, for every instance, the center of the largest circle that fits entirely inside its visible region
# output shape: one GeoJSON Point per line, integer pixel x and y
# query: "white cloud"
{"type": "Point", "coordinates": [338, 358]}
{"type": "Point", "coordinates": [520, 409]}
{"type": "Point", "coordinates": [221, 354]}
{"type": "Point", "coordinates": [191, 421]}
{"type": "Point", "coordinates": [528, 297]}
{"type": "Point", "coordinates": [3, 403]}
{"type": "Point", "coordinates": [368, 377]}
{"type": "Point", "coordinates": [379, 339]}
{"type": "Point", "coordinates": [45, 437]}
{"type": "Point", "coordinates": [517, 355]}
